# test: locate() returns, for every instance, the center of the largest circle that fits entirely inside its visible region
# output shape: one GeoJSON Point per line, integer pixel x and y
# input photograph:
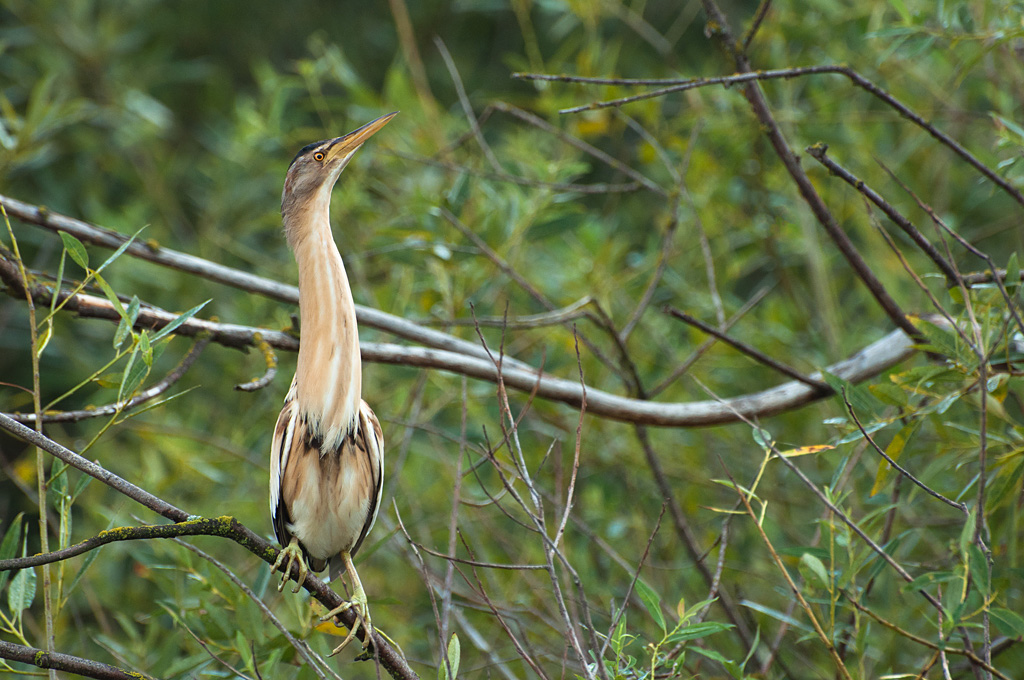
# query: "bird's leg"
{"type": "Point", "coordinates": [294, 554]}
{"type": "Point", "coordinates": [357, 603]}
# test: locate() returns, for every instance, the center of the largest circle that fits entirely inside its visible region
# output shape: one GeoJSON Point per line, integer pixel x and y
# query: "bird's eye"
{"type": "Point", "coordinates": [319, 155]}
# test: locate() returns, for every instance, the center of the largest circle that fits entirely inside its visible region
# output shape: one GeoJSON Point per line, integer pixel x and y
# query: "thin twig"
{"type": "Point", "coordinates": [271, 361]}
{"type": "Point", "coordinates": [579, 144]}
{"type": "Point", "coordinates": [820, 153]}
{"type": "Point", "coordinates": [902, 470]}
{"type": "Point", "coordinates": [757, 355]}
{"type": "Point", "coordinates": [762, 12]}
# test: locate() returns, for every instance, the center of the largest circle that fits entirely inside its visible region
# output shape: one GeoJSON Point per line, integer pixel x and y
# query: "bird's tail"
{"type": "Point", "coordinates": [337, 567]}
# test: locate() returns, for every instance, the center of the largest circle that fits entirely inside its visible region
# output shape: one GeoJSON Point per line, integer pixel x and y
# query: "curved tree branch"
{"type": "Point", "coordinates": [153, 252]}
{"type": "Point", "coordinates": [872, 360]}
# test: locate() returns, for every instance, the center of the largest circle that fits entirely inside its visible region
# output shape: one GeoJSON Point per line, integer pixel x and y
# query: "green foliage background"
{"type": "Point", "coordinates": [181, 118]}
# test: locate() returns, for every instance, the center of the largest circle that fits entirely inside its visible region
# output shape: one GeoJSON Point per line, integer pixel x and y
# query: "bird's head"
{"type": "Point", "coordinates": [315, 169]}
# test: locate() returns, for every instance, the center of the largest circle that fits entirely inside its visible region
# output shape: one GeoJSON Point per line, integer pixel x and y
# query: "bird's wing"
{"type": "Point", "coordinates": [280, 449]}
{"type": "Point", "coordinates": [368, 442]}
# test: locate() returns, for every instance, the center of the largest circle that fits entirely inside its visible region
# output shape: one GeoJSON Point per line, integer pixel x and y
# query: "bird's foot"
{"type": "Point", "coordinates": [362, 612]}
{"type": "Point", "coordinates": [294, 554]}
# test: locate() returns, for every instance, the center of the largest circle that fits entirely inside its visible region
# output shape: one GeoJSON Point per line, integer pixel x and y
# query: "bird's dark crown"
{"type": "Point", "coordinates": [306, 149]}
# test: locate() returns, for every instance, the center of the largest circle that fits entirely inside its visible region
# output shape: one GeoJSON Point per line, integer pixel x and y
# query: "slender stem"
{"type": "Point", "coordinates": [44, 534]}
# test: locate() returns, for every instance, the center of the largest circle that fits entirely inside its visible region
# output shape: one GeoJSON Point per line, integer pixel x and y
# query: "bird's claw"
{"type": "Point", "coordinates": [294, 554]}
{"type": "Point", "coordinates": [362, 612]}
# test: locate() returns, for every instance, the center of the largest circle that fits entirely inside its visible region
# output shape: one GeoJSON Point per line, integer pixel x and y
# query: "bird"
{"type": "Point", "coordinates": [327, 452]}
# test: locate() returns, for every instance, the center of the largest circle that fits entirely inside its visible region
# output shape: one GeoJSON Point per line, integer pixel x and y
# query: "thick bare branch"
{"type": "Point", "coordinates": [872, 360]}
{"type": "Point", "coordinates": [153, 252]}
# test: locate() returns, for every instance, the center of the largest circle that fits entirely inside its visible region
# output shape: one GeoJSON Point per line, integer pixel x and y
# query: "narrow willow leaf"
{"type": "Point", "coordinates": [777, 615]}
{"type": "Point", "coordinates": [651, 601]}
{"type": "Point", "coordinates": [9, 545]}
{"type": "Point", "coordinates": [22, 591]}
{"type": "Point", "coordinates": [126, 373]}
{"type": "Point", "coordinates": [979, 569]}
{"type": "Point", "coordinates": [1010, 622]}
{"type": "Point", "coordinates": [860, 398]}
{"type": "Point", "coordinates": [44, 339]}
{"type": "Point", "coordinates": [182, 318]}
{"type": "Point", "coordinates": [763, 438]}
{"type": "Point", "coordinates": [75, 249]}
{"type": "Point", "coordinates": [454, 656]}
{"type": "Point", "coordinates": [124, 328]}
{"type": "Point", "coordinates": [90, 557]}
{"type": "Point", "coordinates": [813, 570]}
{"type": "Point", "coordinates": [134, 375]}
{"type": "Point", "coordinates": [58, 478]}
{"type": "Point", "coordinates": [110, 295]}
{"type": "Point", "coordinates": [619, 637]}
{"type": "Point", "coordinates": [806, 450]}
{"type": "Point", "coordinates": [697, 630]}
{"type": "Point", "coordinates": [120, 251]}
{"type": "Point", "coordinates": [147, 349]}
{"type": "Point", "coordinates": [1012, 271]}
{"type": "Point", "coordinates": [894, 450]}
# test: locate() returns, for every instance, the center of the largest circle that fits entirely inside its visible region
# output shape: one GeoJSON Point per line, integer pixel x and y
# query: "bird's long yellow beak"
{"type": "Point", "coordinates": [346, 145]}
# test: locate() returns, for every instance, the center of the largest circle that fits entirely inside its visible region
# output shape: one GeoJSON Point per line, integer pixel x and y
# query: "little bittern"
{"type": "Point", "coordinates": [327, 458]}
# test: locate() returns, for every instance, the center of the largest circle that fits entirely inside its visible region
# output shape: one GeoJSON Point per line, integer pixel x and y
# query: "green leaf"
{"type": "Point", "coordinates": [698, 630]}
{"type": "Point", "coordinates": [979, 569]}
{"type": "Point", "coordinates": [652, 602]}
{"type": "Point", "coordinates": [111, 295]}
{"type": "Point", "coordinates": [43, 340]}
{"type": "Point", "coordinates": [22, 591]}
{"type": "Point", "coordinates": [619, 636]}
{"type": "Point", "coordinates": [9, 545]}
{"type": "Point", "coordinates": [75, 249]}
{"type": "Point", "coordinates": [901, 9]}
{"type": "Point", "coordinates": [777, 615]}
{"type": "Point", "coordinates": [859, 397]}
{"type": "Point", "coordinates": [124, 328]}
{"type": "Point", "coordinates": [1012, 271]}
{"type": "Point", "coordinates": [1010, 622]}
{"type": "Point", "coordinates": [90, 557]}
{"type": "Point", "coordinates": [58, 478]}
{"type": "Point", "coordinates": [967, 533]}
{"type": "Point", "coordinates": [763, 438]}
{"type": "Point", "coordinates": [134, 374]}
{"type": "Point", "coordinates": [182, 318]}
{"type": "Point", "coordinates": [453, 655]}
{"type": "Point", "coordinates": [117, 253]}
{"type": "Point", "coordinates": [146, 348]}
{"type": "Point", "coordinates": [889, 394]}
{"type": "Point", "coordinates": [813, 570]}
{"type": "Point", "coordinates": [894, 450]}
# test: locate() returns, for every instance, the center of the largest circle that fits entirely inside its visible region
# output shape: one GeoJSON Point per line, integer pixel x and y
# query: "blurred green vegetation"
{"type": "Point", "coordinates": [180, 120]}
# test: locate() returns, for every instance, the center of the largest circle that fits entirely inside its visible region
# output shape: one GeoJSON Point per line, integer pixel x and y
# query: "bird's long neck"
{"type": "Point", "coordinates": [328, 378]}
